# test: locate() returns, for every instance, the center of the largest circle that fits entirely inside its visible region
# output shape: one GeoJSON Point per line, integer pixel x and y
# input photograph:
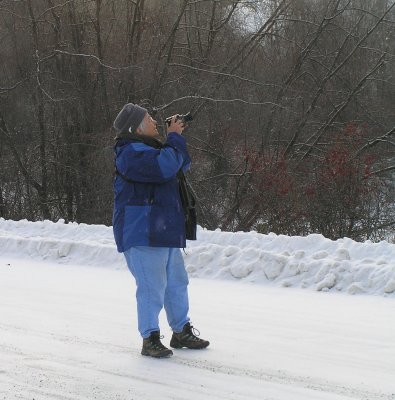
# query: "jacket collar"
{"type": "Point", "coordinates": [123, 138]}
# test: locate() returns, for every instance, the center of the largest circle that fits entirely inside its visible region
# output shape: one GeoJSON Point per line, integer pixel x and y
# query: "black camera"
{"type": "Point", "coordinates": [183, 117]}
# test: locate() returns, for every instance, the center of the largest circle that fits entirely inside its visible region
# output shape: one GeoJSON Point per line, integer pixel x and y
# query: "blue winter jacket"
{"type": "Point", "coordinates": [148, 210]}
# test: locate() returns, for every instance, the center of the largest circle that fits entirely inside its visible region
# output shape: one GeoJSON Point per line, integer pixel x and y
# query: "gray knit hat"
{"type": "Point", "coordinates": [130, 116]}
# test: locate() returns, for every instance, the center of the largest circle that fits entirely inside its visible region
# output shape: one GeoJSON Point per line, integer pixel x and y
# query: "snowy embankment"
{"type": "Point", "coordinates": [307, 262]}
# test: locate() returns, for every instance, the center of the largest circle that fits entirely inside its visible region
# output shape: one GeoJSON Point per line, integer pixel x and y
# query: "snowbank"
{"type": "Point", "coordinates": [312, 262]}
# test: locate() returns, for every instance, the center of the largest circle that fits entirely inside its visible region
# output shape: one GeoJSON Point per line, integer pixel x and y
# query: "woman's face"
{"type": "Point", "coordinates": [149, 126]}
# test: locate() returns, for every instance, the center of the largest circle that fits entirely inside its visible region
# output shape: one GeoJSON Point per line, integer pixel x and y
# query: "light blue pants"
{"type": "Point", "coordinates": [161, 281]}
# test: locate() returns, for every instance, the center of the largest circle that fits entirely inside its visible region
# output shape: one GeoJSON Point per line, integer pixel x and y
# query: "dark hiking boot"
{"type": "Point", "coordinates": [153, 347]}
{"type": "Point", "coordinates": [188, 338]}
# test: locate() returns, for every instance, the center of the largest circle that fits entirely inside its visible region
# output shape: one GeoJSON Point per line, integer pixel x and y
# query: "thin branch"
{"type": "Point", "coordinates": [41, 86]}
{"type": "Point", "coordinates": [7, 89]}
{"type": "Point", "coordinates": [52, 8]}
{"type": "Point", "coordinates": [95, 58]}
{"type": "Point", "coordinates": [225, 175]}
{"type": "Point", "coordinates": [223, 74]}
{"type": "Point", "coordinates": [375, 141]}
{"type": "Point", "coordinates": [387, 169]}
{"type": "Point", "coordinates": [163, 107]}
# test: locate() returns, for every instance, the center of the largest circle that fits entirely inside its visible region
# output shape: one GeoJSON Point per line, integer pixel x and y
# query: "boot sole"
{"type": "Point", "coordinates": [180, 346]}
{"type": "Point", "coordinates": [165, 355]}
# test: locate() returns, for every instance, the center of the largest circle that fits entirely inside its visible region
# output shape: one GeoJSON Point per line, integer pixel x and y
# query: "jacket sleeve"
{"type": "Point", "coordinates": [142, 163]}
{"type": "Point", "coordinates": [173, 140]}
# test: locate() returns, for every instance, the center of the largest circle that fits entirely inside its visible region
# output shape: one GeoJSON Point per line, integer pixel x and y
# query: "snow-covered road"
{"type": "Point", "coordinates": [68, 332]}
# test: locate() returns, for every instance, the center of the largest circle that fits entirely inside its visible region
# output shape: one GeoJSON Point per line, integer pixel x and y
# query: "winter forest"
{"type": "Point", "coordinates": [293, 104]}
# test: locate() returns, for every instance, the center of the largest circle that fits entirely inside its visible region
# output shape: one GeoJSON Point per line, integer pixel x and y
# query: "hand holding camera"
{"type": "Point", "coordinates": [177, 123]}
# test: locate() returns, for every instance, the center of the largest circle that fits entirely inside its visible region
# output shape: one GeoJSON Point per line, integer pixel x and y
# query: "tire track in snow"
{"type": "Point", "coordinates": [278, 377]}
{"type": "Point", "coordinates": [284, 378]}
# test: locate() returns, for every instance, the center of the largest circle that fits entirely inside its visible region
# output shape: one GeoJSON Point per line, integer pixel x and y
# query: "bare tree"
{"type": "Point", "coordinates": [285, 95]}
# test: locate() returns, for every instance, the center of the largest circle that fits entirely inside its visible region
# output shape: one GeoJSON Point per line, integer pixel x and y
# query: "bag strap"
{"type": "Point", "coordinates": [187, 196]}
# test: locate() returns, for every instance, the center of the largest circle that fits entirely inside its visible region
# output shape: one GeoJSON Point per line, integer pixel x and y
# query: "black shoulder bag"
{"type": "Point", "coordinates": [188, 204]}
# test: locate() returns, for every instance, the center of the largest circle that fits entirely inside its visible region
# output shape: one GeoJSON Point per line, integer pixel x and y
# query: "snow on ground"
{"type": "Point", "coordinates": [68, 332]}
{"type": "Point", "coordinates": [312, 262]}
{"type": "Point", "coordinates": [68, 319]}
